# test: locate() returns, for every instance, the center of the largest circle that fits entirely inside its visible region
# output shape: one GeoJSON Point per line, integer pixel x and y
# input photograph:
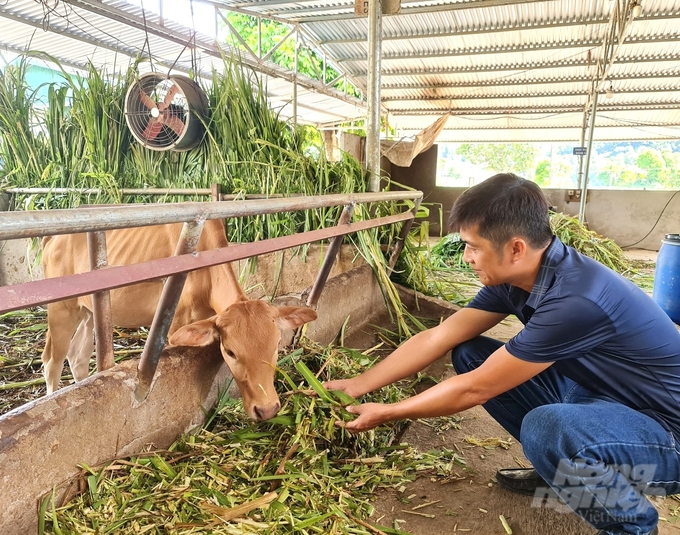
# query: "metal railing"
{"type": "Point", "coordinates": [214, 191]}
{"type": "Point", "coordinates": [95, 220]}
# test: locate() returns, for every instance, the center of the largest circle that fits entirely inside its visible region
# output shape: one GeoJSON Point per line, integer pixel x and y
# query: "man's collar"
{"type": "Point", "coordinates": [546, 273]}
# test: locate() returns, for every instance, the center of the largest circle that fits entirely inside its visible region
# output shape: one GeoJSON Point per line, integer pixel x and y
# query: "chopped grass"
{"type": "Point", "coordinates": [298, 473]}
{"type": "Point", "coordinates": [447, 255]}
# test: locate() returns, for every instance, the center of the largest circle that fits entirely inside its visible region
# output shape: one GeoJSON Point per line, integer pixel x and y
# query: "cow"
{"type": "Point", "coordinates": [213, 307]}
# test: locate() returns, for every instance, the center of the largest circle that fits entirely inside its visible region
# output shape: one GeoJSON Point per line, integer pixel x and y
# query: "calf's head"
{"type": "Point", "coordinates": [249, 334]}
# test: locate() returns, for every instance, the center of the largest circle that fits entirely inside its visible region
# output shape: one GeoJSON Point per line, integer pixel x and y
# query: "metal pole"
{"type": "Point", "coordinates": [329, 259]}
{"type": "Point", "coordinates": [165, 312]}
{"type": "Point", "coordinates": [584, 185]}
{"type": "Point", "coordinates": [14, 225]}
{"type": "Point", "coordinates": [295, 77]}
{"type": "Point", "coordinates": [580, 158]}
{"type": "Point", "coordinates": [101, 304]}
{"type": "Point", "coordinates": [373, 120]}
{"type": "Point", "coordinates": [122, 191]}
{"type": "Point", "coordinates": [399, 245]}
{"type": "Point", "coordinates": [216, 192]}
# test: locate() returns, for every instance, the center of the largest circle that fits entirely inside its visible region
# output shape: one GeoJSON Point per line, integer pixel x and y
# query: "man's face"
{"type": "Point", "coordinates": [490, 265]}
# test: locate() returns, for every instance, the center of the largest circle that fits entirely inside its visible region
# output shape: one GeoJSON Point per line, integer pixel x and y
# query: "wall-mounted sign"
{"type": "Point", "coordinates": [361, 8]}
{"type": "Point", "coordinates": [388, 7]}
{"type": "Point", "coordinates": [580, 151]}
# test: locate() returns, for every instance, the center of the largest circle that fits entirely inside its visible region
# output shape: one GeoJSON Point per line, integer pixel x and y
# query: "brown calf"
{"type": "Point", "coordinates": [212, 308]}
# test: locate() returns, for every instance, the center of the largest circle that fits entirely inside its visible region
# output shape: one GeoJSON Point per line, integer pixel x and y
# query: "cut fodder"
{"type": "Point", "coordinates": [573, 233]}
{"type": "Point", "coordinates": [438, 271]}
{"type": "Point", "coordinates": [22, 339]}
{"type": "Point", "coordinates": [449, 250]}
{"type": "Point", "coordinates": [297, 473]}
{"type": "Point", "coordinates": [490, 443]}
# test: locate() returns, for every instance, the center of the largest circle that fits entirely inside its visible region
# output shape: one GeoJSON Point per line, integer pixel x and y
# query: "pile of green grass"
{"type": "Point", "coordinates": [297, 473]}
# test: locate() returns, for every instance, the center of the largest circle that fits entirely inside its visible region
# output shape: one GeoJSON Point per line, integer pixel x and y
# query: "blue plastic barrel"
{"type": "Point", "coordinates": [666, 291]}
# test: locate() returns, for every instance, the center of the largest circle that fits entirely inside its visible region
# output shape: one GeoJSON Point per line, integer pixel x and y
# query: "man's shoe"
{"type": "Point", "coordinates": [520, 480]}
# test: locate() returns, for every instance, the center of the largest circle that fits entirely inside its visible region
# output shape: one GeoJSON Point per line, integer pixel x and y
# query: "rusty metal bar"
{"type": "Point", "coordinates": [165, 312]}
{"type": "Point", "coordinates": [40, 292]}
{"type": "Point", "coordinates": [329, 259]}
{"type": "Point", "coordinates": [122, 191]}
{"type": "Point", "coordinates": [246, 196]}
{"type": "Point", "coordinates": [33, 223]}
{"type": "Point", "coordinates": [101, 304]}
{"type": "Point", "coordinates": [399, 245]}
{"type": "Point", "coordinates": [215, 192]}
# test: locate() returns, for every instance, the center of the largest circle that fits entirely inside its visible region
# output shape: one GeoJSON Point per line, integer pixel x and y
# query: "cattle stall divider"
{"type": "Point", "coordinates": [95, 220]}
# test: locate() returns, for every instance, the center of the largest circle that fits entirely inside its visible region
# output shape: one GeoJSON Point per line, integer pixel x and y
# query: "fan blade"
{"type": "Point", "coordinates": [146, 99]}
{"type": "Point", "coordinates": [170, 94]}
{"type": "Point", "coordinates": [152, 130]}
{"type": "Point", "coordinates": [175, 123]}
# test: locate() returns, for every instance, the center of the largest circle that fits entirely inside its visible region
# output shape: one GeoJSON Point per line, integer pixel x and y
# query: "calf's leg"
{"type": "Point", "coordinates": [81, 347]}
{"type": "Point", "coordinates": [63, 320]}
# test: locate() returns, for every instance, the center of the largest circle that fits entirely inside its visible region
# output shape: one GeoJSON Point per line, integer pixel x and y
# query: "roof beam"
{"type": "Point", "coordinates": [533, 110]}
{"type": "Point", "coordinates": [506, 82]}
{"type": "Point", "coordinates": [540, 127]}
{"type": "Point", "coordinates": [404, 11]}
{"type": "Point", "coordinates": [550, 94]}
{"type": "Point", "coordinates": [559, 64]}
{"type": "Point", "coordinates": [349, 5]}
{"type": "Point", "coordinates": [452, 53]}
{"type": "Point", "coordinates": [525, 47]}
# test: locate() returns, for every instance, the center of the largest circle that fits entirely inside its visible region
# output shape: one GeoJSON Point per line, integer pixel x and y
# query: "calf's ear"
{"type": "Point", "coordinates": [198, 334]}
{"type": "Point", "coordinates": [293, 317]}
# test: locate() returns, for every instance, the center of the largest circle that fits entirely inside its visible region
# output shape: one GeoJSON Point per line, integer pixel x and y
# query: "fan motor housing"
{"type": "Point", "coordinates": [166, 112]}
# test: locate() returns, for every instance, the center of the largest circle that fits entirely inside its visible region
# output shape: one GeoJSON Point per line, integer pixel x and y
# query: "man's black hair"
{"type": "Point", "coordinates": [504, 206]}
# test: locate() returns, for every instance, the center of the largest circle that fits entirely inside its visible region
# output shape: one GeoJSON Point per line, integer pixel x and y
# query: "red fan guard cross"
{"type": "Point", "coordinates": [161, 115]}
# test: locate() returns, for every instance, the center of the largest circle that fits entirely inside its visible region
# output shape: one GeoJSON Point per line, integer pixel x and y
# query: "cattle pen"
{"type": "Point", "coordinates": [126, 407]}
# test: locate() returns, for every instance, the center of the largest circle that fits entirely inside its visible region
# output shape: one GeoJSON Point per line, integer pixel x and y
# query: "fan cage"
{"type": "Point", "coordinates": [160, 120]}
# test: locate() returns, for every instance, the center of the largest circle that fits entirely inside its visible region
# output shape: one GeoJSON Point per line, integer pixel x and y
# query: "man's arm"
{"type": "Point", "coordinates": [499, 373]}
{"type": "Point", "coordinates": [419, 351]}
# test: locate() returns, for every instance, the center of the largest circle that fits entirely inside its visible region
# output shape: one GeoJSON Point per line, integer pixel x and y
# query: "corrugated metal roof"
{"type": "Point", "coordinates": [505, 70]}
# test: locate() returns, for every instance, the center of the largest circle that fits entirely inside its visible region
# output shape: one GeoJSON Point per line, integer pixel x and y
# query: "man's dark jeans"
{"type": "Point", "coordinates": [597, 455]}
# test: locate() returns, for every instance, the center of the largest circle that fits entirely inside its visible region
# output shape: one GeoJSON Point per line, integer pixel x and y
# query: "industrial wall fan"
{"type": "Point", "coordinates": [166, 112]}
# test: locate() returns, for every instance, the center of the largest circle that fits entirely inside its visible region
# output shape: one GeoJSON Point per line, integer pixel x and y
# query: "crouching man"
{"type": "Point", "coordinates": [590, 386]}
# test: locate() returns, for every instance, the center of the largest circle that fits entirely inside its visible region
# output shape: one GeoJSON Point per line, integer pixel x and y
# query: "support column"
{"type": "Point", "coordinates": [295, 76]}
{"type": "Point", "coordinates": [584, 185]}
{"type": "Point", "coordinates": [373, 120]}
{"type": "Point", "coordinates": [583, 140]}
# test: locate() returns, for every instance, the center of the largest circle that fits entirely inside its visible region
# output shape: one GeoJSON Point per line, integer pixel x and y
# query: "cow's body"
{"type": "Point", "coordinates": [212, 307]}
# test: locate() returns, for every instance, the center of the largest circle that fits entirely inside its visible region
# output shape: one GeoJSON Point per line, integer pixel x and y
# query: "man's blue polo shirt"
{"type": "Point", "coordinates": [600, 329]}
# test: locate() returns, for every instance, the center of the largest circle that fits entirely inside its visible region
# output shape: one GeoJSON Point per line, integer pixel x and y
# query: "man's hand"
{"type": "Point", "coordinates": [370, 415]}
{"type": "Point", "coordinates": [348, 386]}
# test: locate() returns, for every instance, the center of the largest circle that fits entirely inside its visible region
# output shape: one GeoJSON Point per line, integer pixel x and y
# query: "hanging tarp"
{"type": "Point", "coordinates": [402, 152]}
